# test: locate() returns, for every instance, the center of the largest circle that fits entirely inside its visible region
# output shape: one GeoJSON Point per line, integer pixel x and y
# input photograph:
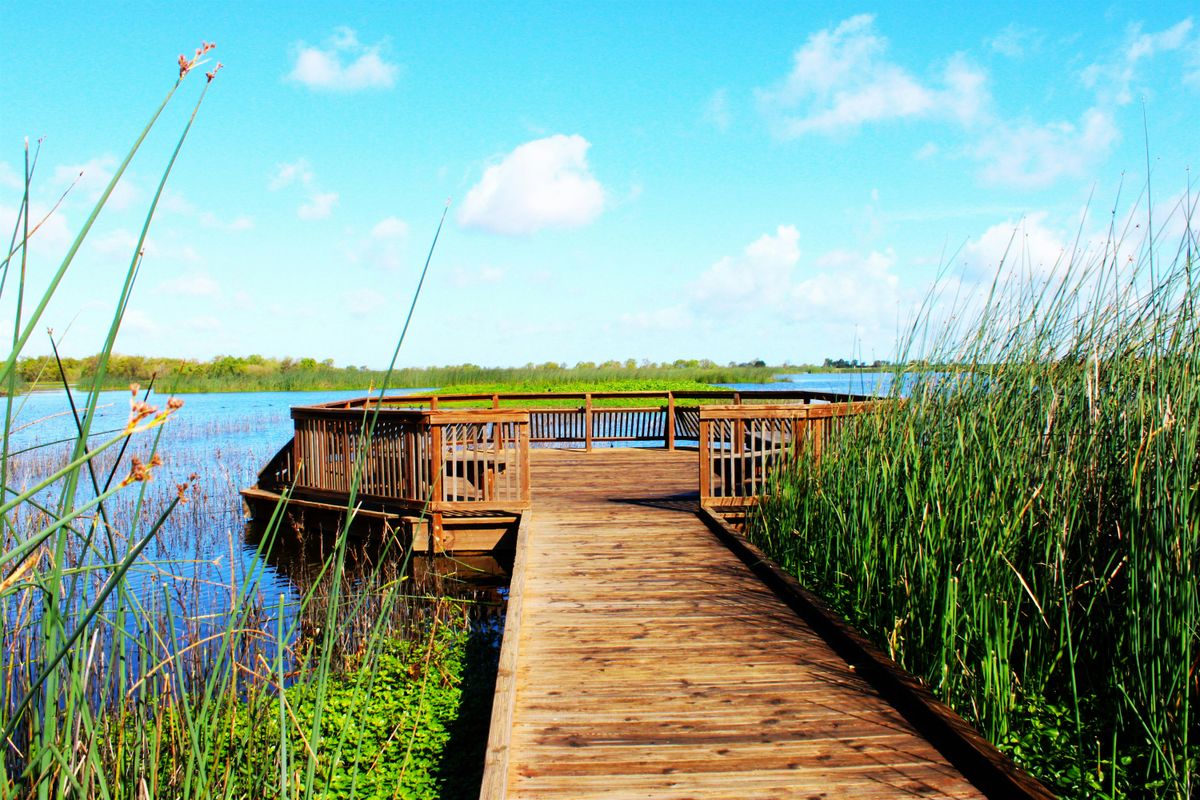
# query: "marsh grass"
{"type": "Point", "coordinates": [133, 657]}
{"type": "Point", "coordinates": [1024, 534]}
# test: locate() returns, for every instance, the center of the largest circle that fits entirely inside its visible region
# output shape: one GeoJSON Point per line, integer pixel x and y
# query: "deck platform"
{"type": "Point", "coordinates": [650, 661]}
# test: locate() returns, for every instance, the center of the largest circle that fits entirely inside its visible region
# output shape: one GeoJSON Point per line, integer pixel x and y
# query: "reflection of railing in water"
{"type": "Point", "coordinates": [741, 445]}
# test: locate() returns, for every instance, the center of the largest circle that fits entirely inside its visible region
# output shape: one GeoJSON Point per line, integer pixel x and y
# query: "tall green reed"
{"type": "Point", "coordinates": [1023, 534]}
{"type": "Point", "coordinates": [109, 689]}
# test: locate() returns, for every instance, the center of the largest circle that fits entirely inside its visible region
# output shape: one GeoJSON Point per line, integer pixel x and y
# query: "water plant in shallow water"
{"type": "Point", "coordinates": [113, 683]}
{"type": "Point", "coordinates": [1026, 536]}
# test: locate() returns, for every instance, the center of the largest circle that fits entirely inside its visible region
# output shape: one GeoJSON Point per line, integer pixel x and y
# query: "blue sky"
{"type": "Point", "coordinates": [659, 180]}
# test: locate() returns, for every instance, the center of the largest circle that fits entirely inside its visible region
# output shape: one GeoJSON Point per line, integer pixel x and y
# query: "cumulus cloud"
{"type": "Point", "coordinates": [9, 177]}
{"type": "Point", "coordinates": [383, 246]}
{"type": "Point", "coordinates": [1026, 248]}
{"type": "Point", "coordinates": [1032, 155]}
{"type": "Point", "coordinates": [759, 276]}
{"type": "Point", "coordinates": [1113, 80]}
{"type": "Point", "coordinates": [319, 206]}
{"type": "Point", "coordinates": [296, 172]}
{"type": "Point", "coordinates": [841, 79]}
{"type": "Point", "coordinates": [716, 110]}
{"type": "Point", "coordinates": [1014, 41]}
{"type": "Point", "coordinates": [545, 183]}
{"type": "Point", "coordinates": [344, 64]}
{"type": "Point", "coordinates": [91, 177]}
{"type": "Point", "coordinates": [299, 173]}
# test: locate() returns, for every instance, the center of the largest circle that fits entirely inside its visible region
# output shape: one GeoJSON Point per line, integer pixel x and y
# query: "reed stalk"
{"type": "Point", "coordinates": [1023, 533]}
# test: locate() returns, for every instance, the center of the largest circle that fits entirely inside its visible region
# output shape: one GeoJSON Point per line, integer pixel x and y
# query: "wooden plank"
{"type": "Point", "coordinates": [652, 662]}
{"type": "Point", "coordinates": [496, 760]}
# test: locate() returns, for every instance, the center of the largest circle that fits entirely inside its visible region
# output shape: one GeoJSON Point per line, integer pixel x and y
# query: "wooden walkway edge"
{"type": "Point", "coordinates": [650, 651]}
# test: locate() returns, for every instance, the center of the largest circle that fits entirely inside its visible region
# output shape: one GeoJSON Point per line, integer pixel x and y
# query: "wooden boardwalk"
{"type": "Point", "coordinates": [650, 662]}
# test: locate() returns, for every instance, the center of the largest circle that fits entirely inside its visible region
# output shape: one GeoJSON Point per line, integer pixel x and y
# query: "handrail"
{"type": "Point", "coordinates": [436, 461]}
{"type": "Point", "coordinates": [580, 424]}
{"type": "Point", "coordinates": [741, 445]}
{"type": "Point", "coordinates": [737, 396]}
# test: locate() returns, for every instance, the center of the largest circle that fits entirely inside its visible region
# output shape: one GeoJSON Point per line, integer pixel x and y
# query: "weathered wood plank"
{"type": "Point", "coordinates": [655, 664]}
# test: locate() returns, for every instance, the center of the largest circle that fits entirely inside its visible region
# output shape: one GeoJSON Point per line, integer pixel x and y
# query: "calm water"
{"type": "Point", "coordinates": [222, 439]}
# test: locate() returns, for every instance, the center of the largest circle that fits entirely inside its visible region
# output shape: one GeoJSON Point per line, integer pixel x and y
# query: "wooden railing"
{"type": "Point", "coordinates": [741, 445]}
{"type": "Point", "coordinates": [674, 418]}
{"type": "Point", "coordinates": [439, 461]}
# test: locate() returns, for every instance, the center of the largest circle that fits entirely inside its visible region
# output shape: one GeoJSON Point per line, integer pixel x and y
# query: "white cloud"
{"type": "Point", "coordinates": [716, 110]}
{"type": "Point", "coordinates": [319, 206]}
{"type": "Point", "coordinates": [10, 178]}
{"type": "Point", "coordinates": [841, 79]}
{"type": "Point", "coordinates": [297, 172]}
{"type": "Point", "coordinates": [49, 235]}
{"type": "Point", "coordinates": [1014, 41]}
{"type": "Point", "coordinates": [1029, 155]}
{"type": "Point", "coordinates": [383, 246]}
{"type": "Point", "coordinates": [545, 183]}
{"type": "Point", "coordinates": [362, 302]}
{"type": "Point", "coordinates": [1028, 248]}
{"type": "Point", "coordinates": [117, 242]}
{"type": "Point", "coordinates": [760, 275]}
{"type": "Point", "coordinates": [196, 284]}
{"type": "Point", "coordinates": [1113, 80]}
{"type": "Point", "coordinates": [390, 228]}
{"type": "Point", "coordinates": [343, 65]}
{"type": "Point", "coordinates": [848, 286]}
{"type": "Point", "coordinates": [91, 178]}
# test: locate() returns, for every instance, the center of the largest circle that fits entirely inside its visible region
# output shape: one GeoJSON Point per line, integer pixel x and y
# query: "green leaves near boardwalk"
{"type": "Point", "coordinates": [1024, 534]}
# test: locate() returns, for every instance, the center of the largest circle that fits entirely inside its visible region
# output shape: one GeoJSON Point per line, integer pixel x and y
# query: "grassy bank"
{"type": "Point", "coordinates": [1025, 537]}
{"type": "Point", "coordinates": [259, 374]}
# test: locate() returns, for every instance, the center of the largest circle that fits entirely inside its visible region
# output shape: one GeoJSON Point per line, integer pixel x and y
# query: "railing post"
{"type": "Point", "coordinates": [523, 429]}
{"type": "Point", "coordinates": [670, 420]}
{"type": "Point", "coordinates": [433, 402]}
{"type": "Point", "coordinates": [587, 422]}
{"type": "Point", "coordinates": [705, 460]}
{"type": "Point", "coordinates": [739, 428]}
{"type": "Point", "coordinates": [437, 466]}
{"type": "Point", "coordinates": [495, 401]}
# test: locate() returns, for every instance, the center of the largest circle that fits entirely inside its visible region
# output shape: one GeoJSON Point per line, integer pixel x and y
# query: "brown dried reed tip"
{"type": "Point", "coordinates": [213, 74]}
{"type": "Point", "coordinates": [139, 410]}
{"type": "Point", "coordinates": [134, 388]}
{"type": "Point", "coordinates": [186, 65]}
{"type": "Point", "coordinates": [137, 471]}
{"type": "Point", "coordinates": [181, 492]}
{"type": "Point", "coordinates": [174, 404]}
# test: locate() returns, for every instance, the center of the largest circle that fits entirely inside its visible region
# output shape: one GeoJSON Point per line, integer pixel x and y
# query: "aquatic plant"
{"type": "Point", "coordinates": [119, 675]}
{"type": "Point", "coordinates": [1023, 534]}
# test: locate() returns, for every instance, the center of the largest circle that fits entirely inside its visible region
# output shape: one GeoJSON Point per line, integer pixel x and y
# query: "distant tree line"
{"type": "Point", "coordinates": [261, 373]}
{"type": "Point", "coordinates": [854, 363]}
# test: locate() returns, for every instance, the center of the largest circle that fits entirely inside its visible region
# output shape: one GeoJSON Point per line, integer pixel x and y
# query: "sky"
{"type": "Point", "coordinates": [658, 180]}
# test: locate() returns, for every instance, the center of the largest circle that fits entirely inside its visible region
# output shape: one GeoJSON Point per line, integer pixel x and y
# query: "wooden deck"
{"type": "Point", "coordinates": [649, 661]}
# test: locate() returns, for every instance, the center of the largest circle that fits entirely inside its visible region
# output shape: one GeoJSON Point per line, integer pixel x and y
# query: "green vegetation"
{"type": "Point", "coordinates": [116, 685]}
{"type": "Point", "coordinates": [389, 723]}
{"type": "Point", "coordinates": [255, 373]}
{"type": "Point", "coordinates": [1024, 536]}
{"type": "Point", "coordinates": [577, 387]}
